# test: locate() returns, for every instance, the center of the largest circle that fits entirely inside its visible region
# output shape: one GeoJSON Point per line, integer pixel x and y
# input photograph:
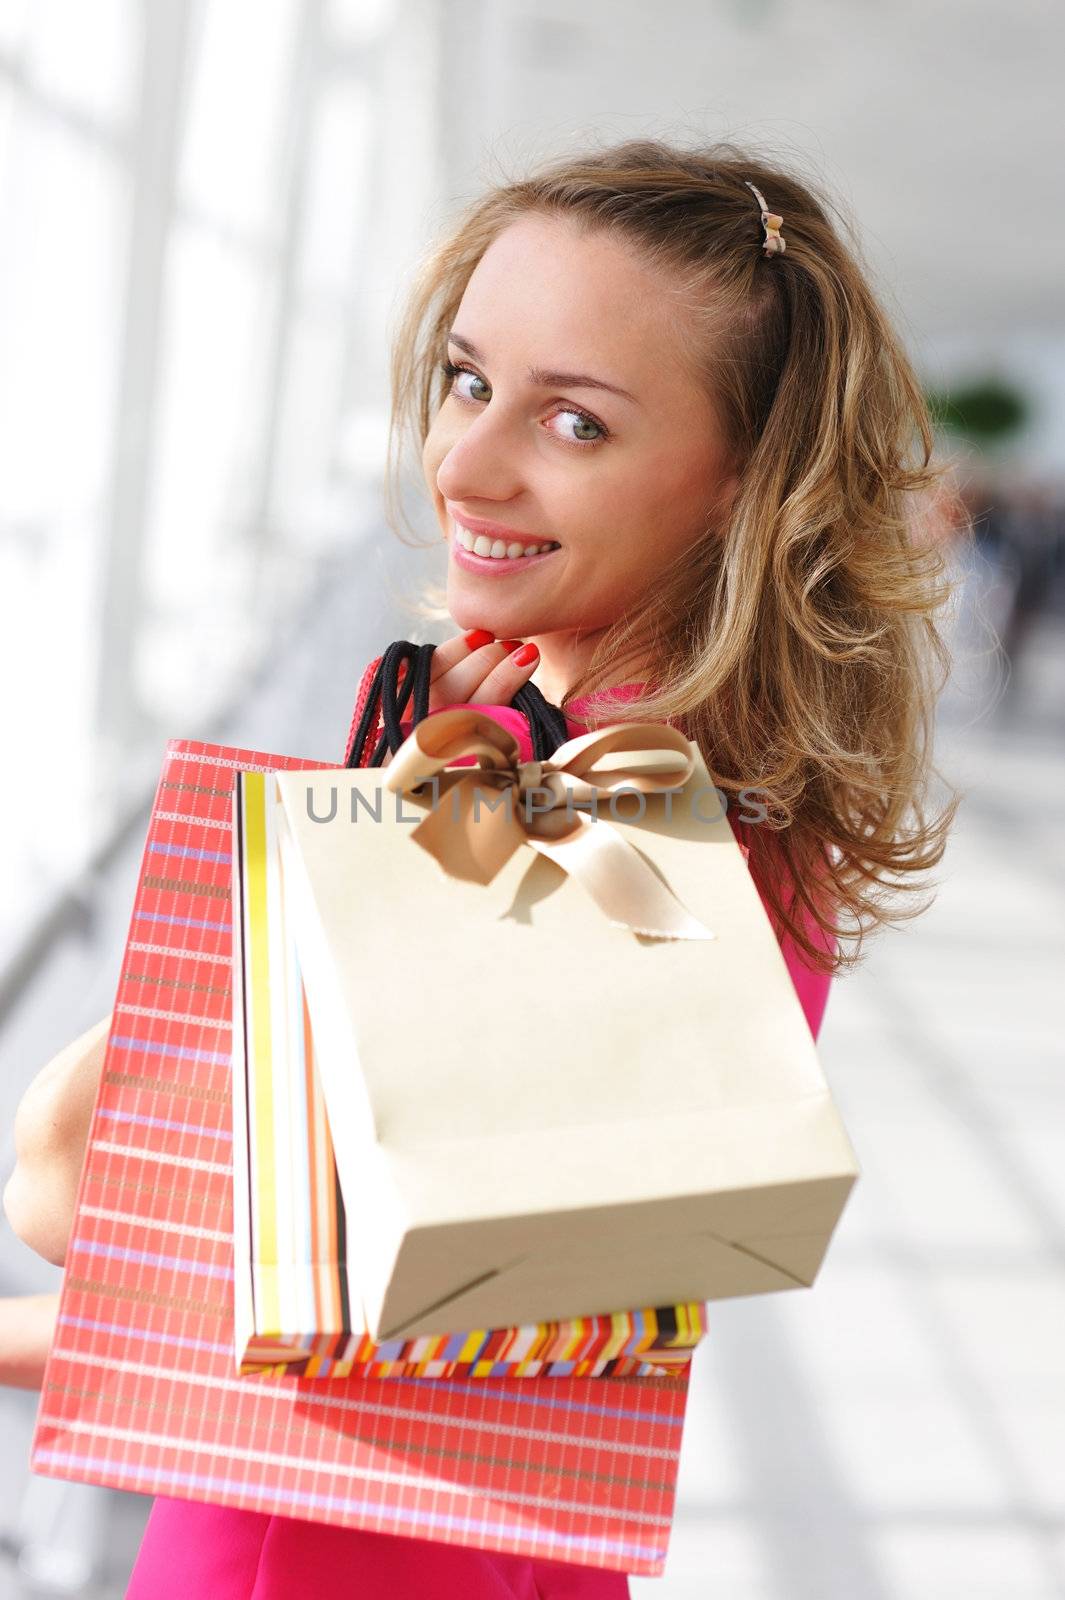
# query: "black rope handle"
{"type": "Point", "coordinates": [547, 725]}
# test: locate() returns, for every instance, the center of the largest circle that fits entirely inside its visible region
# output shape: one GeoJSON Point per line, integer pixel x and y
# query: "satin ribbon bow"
{"type": "Point", "coordinates": [472, 833]}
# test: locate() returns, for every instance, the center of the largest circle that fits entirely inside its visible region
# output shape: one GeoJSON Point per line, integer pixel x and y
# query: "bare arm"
{"type": "Point", "coordinates": [27, 1326]}
{"type": "Point", "coordinates": [51, 1132]}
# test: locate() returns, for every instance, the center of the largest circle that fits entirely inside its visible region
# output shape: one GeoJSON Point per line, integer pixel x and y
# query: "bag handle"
{"type": "Point", "coordinates": [388, 695]}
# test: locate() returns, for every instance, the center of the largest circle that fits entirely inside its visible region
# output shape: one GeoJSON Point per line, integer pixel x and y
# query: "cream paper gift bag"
{"type": "Point", "coordinates": [565, 1066]}
{"type": "Point", "coordinates": [293, 1238]}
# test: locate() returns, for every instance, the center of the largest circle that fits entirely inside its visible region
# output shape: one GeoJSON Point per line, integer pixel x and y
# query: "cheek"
{"type": "Point", "coordinates": [610, 520]}
{"type": "Point", "coordinates": [439, 441]}
{"type": "Point", "coordinates": [665, 502]}
{"type": "Point", "coordinates": [433, 452]}
{"type": "Point", "coordinates": [444, 431]}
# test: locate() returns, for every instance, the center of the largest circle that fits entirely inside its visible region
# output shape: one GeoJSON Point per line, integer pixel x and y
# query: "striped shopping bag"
{"type": "Point", "coordinates": [141, 1390]}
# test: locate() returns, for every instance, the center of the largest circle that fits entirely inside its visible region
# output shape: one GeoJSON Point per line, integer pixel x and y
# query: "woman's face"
{"type": "Point", "coordinates": [575, 420]}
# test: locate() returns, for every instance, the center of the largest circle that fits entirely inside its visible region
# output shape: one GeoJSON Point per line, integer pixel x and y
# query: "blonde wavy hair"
{"type": "Point", "coordinates": [798, 642]}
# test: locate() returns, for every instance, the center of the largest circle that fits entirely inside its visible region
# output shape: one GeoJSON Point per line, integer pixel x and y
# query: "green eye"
{"type": "Point", "coordinates": [451, 372]}
{"type": "Point", "coordinates": [582, 420]}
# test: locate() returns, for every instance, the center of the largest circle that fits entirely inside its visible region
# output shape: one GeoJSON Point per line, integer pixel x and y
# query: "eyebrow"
{"type": "Point", "coordinates": [548, 378]}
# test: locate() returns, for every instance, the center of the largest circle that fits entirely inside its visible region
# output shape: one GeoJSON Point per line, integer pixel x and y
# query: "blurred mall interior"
{"type": "Point", "coordinates": [208, 212]}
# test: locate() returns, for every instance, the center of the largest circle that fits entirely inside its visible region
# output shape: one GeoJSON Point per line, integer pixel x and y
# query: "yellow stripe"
{"type": "Point", "coordinates": [571, 1345]}
{"type": "Point", "coordinates": [474, 1341]}
{"type": "Point", "coordinates": [620, 1333]}
{"type": "Point", "coordinates": [258, 982]}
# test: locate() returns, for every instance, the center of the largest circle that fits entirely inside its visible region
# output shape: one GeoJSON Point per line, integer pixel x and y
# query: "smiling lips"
{"type": "Point", "coordinates": [496, 550]}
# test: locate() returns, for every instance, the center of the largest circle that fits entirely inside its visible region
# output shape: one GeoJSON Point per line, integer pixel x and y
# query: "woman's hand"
{"type": "Point", "coordinates": [51, 1133]}
{"type": "Point", "coordinates": [475, 668]}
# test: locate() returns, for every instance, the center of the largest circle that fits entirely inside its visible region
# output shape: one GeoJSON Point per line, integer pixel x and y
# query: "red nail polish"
{"type": "Point", "coordinates": [477, 637]}
{"type": "Point", "coordinates": [526, 656]}
{"type": "Point", "coordinates": [510, 645]}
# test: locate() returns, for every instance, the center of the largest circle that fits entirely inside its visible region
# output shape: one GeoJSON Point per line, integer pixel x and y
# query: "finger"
{"type": "Point", "coordinates": [504, 680]}
{"type": "Point", "coordinates": [452, 651]}
{"type": "Point", "coordinates": [460, 682]}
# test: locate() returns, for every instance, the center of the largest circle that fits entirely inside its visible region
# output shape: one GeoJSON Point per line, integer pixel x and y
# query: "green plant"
{"type": "Point", "coordinates": [987, 411]}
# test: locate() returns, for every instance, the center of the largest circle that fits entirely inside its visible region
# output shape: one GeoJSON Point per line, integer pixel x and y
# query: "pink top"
{"type": "Point", "coordinates": [191, 1550]}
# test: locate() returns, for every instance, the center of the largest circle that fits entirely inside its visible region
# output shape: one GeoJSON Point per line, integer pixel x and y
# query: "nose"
{"type": "Point", "coordinates": [482, 463]}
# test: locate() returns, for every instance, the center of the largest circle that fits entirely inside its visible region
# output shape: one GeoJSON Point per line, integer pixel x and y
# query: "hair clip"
{"type": "Point", "coordinates": [772, 244]}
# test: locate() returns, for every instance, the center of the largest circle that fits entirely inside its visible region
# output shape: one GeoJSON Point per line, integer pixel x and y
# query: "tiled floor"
{"type": "Point", "coordinates": [898, 1431]}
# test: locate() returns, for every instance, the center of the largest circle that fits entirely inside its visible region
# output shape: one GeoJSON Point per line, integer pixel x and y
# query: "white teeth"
{"type": "Point", "coordinates": [498, 549]}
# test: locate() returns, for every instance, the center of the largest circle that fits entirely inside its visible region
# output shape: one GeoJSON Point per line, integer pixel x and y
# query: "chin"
{"type": "Point", "coordinates": [469, 610]}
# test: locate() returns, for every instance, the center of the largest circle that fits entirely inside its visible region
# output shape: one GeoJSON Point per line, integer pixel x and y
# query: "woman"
{"type": "Point", "coordinates": [677, 454]}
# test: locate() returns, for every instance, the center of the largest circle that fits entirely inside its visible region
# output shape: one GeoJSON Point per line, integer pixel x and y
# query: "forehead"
{"type": "Point", "coordinates": [545, 293]}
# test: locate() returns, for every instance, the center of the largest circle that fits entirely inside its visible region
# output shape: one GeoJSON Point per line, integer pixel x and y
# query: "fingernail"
{"type": "Point", "coordinates": [510, 645]}
{"type": "Point", "coordinates": [477, 637]}
{"type": "Point", "coordinates": [526, 656]}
